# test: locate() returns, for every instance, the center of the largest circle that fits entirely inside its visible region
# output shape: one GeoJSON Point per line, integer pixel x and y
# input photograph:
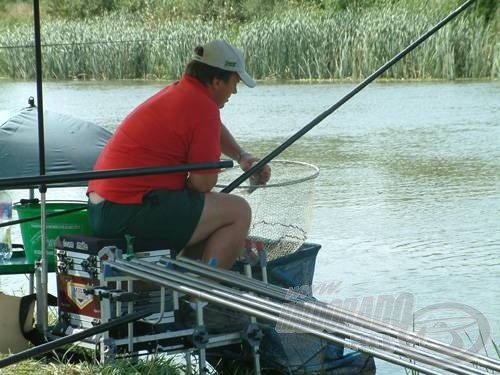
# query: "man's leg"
{"type": "Point", "coordinates": [223, 227]}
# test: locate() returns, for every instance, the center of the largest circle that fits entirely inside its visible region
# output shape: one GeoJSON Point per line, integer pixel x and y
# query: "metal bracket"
{"type": "Point", "coordinates": [108, 349]}
{"type": "Point", "coordinates": [200, 337]}
{"type": "Point", "coordinates": [253, 335]}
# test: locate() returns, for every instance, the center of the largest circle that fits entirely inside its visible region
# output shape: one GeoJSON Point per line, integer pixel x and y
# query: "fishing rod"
{"type": "Point", "coordinates": [362, 340]}
{"type": "Point", "coordinates": [41, 301]}
{"type": "Point", "coordinates": [168, 280]}
{"type": "Point", "coordinates": [313, 308]}
{"type": "Point", "coordinates": [278, 150]}
{"type": "Point", "coordinates": [17, 182]}
{"type": "Point", "coordinates": [52, 345]}
{"type": "Point", "coordinates": [57, 178]}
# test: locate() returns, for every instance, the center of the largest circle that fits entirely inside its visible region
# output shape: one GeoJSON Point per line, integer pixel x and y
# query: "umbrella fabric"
{"type": "Point", "coordinates": [71, 145]}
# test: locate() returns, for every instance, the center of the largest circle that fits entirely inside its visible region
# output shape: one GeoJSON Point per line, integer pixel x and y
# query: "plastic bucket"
{"type": "Point", "coordinates": [70, 223]}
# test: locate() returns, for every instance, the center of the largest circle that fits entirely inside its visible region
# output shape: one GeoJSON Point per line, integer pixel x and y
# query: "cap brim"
{"type": "Point", "coordinates": [247, 80]}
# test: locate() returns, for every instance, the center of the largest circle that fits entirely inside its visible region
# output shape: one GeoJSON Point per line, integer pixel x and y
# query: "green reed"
{"type": "Point", "coordinates": [115, 47]}
{"type": "Point", "coordinates": [352, 45]}
{"type": "Point", "coordinates": [294, 45]}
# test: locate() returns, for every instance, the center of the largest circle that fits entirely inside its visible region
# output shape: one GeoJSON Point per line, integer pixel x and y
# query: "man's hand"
{"type": "Point", "coordinates": [247, 161]}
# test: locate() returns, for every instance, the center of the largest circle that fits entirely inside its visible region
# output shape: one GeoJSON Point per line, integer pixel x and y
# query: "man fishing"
{"type": "Point", "coordinates": [180, 124]}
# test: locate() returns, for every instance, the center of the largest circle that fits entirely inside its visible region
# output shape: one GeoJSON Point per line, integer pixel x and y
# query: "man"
{"type": "Point", "coordinates": [180, 124]}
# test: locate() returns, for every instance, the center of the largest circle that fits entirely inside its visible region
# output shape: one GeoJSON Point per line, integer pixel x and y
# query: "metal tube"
{"type": "Point", "coordinates": [39, 88]}
{"type": "Point", "coordinates": [42, 293]}
{"type": "Point", "coordinates": [335, 312]}
{"type": "Point", "coordinates": [301, 313]}
{"type": "Point", "coordinates": [408, 336]}
{"type": "Point", "coordinates": [355, 334]}
{"type": "Point", "coordinates": [42, 298]}
{"type": "Point", "coordinates": [226, 277]}
{"type": "Point", "coordinates": [136, 268]}
{"type": "Point", "coordinates": [162, 280]}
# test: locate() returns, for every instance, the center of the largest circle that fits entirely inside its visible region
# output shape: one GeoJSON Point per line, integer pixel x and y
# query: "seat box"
{"type": "Point", "coordinates": [79, 268]}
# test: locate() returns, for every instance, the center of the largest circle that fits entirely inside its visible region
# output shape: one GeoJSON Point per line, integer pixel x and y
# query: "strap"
{"type": "Point", "coordinates": [34, 336]}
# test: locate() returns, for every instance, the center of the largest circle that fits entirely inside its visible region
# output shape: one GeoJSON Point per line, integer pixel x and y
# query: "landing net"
{"type": "Point", "coordinates": [281, 209]}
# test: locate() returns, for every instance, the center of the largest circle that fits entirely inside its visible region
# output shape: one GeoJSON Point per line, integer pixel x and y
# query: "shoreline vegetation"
{"type": "Point", "coordinates": [285, 40]}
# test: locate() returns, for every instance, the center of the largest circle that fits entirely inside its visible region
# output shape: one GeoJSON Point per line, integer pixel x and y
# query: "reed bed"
{"type": "Point", "coordinates": [297, 45]}
{"type": "Point", "coordinates": [115, 47]}
{"type": "Point", "coordinates": [348, 45]}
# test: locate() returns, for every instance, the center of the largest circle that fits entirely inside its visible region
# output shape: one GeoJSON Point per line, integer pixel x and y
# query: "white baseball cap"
{"type": "Point", "coordinates": [220, 54]}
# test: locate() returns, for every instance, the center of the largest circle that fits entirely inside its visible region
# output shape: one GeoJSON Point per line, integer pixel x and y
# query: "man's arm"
{"type": "Point", "coordinates": [231, 148]}
{"type": "Point", "coordinates": [202, 182]}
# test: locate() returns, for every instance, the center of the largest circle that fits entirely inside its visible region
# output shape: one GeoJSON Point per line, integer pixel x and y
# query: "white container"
{"type": "Point", "coordinates": [5, 232]}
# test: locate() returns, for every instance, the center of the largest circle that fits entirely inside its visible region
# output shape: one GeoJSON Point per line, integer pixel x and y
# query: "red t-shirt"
{"type": "Point", "coordinates": [180, 124]}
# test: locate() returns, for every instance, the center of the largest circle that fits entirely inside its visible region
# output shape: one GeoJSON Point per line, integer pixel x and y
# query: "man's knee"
{"type": "Point", "coordinates": [244, 210]}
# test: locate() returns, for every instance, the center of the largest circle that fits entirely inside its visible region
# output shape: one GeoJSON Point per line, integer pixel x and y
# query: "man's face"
{"type": "Point", "coordinates": [222, 91]}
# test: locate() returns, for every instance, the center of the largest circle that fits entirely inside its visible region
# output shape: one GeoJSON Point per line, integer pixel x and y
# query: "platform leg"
{"type": "Point", "coordinates": [253, 320]}
{"type": "Point", "coordinates": [38, 287]}
{"type": "Point", "coordinates": [256, 360]}
{"type": "Point", "coordinates": [203, 361]}
{"type": "Point", "coordinates": [31, 283]}
{"type": "Point", "coordinates": [201, 351]}
{"type": "Point", "coordinates": [107, 350]}
{"type": "Point", "coordinates": [130, 310]}
{"type": "Point", "coordinates": [188, 363]}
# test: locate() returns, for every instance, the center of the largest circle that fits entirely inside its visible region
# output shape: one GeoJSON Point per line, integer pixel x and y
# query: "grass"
{"type": "Point", "coordinates": [80, 361]}
{"type": "Point", "coordinates": [494, 345]}
{"type": "Point", "coordinates": [158, 365]}
{"type": "Point", "coordinates": [293, 45]}
{"type": "Point", "coordinates": [497, 348]}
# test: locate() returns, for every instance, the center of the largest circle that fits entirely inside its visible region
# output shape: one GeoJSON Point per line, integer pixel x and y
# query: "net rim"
{"type": "Point", "coordinates": [313, 175]}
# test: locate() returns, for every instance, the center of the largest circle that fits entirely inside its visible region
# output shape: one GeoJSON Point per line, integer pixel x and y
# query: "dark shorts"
{"type": "Point", "coordinates": [170, 215]}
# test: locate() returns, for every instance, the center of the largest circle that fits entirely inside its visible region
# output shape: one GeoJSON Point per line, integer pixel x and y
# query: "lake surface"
{"type": "Point", "coordinates": [407, 202]}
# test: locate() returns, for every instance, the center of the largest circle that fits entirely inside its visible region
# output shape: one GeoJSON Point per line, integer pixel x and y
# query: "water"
{"type": "Point", "coordinates": [407, 203]}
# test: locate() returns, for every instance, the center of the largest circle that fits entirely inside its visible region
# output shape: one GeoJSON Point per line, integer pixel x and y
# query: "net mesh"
{"type": "Point", "coordinates": [281, 209]}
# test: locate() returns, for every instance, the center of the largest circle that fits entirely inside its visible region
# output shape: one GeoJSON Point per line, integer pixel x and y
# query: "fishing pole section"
{"type": "Point", "coordinates": [270, 303]}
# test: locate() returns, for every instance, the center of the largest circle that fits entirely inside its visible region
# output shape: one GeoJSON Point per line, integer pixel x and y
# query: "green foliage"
{"type": "Point", "coordinates": [223, 10]}
{"type": "Point", "coordinates": [352, 44]}
{"type": "Point", "coordinates": [156, 365]}
{"type": "Point", "coordinates": [280, 43]}
{"type": "Point", "coordinates": [109, 47]}
{"type": "Point", "coordinates": [15, 11]}
{"type": "Point", "coordinates": [79, 8]}
{"type": "Point", "coordinates": [487, 9]}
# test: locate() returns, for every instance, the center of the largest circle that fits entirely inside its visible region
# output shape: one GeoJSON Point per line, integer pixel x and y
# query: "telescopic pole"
{"type": "Point", "coordinates": [266, 159]}
{"type": "Point", "coordinates": [52, 345]}
{"type": "Point", "coordinates": [42, 272]}
{"type": "Point", "coordinates": [6, 183]}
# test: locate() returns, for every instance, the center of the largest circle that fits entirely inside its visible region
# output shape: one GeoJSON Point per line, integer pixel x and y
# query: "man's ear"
{"type": "Point", "coordinates": [216, 82]}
